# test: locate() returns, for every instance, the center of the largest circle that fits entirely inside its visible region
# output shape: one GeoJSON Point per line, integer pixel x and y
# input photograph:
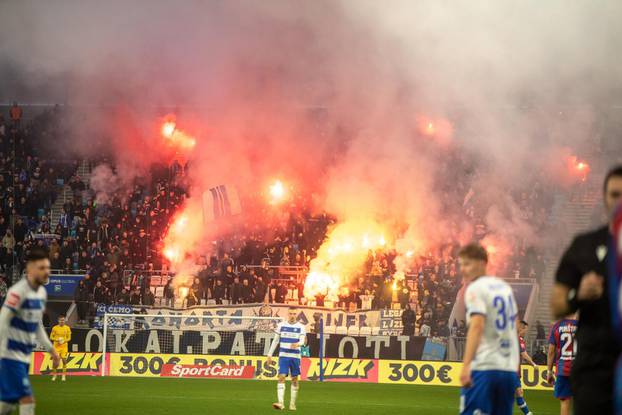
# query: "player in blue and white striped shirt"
{"type": "Point", "coordinates": [21, 328]}
{"type": "Point", "coordinates": [289, 337]}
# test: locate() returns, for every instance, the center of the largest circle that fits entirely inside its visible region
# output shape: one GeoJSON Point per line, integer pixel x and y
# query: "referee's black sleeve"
{"type": "Point", "coordinates": [568, 273]}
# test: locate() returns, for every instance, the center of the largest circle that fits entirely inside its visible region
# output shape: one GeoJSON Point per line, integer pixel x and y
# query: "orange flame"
{"type": "Point", "coordinates": [578, 168]}
{"type": "Point", "coordinates": [277, 192]}
{"type": "Point", "coordinates": [174, 136]}
{"type": "Point", "coordinates": [342, 256]}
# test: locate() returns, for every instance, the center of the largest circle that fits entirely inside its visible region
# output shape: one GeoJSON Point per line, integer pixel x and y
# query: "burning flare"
{"type": "Point", "coordinates": [577, 168]}
{"type": "Point", "coordinates": [342, 257]}
{"type": "Point", "coordinates": [175, 137]}
{"type": "Point", "coordinates": [277, 192]}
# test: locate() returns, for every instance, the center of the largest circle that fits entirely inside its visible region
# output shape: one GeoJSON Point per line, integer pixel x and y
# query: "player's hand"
{"type": "Point", "coordinates": [550, 377]}
{"type": "Point", "coordinates": [591, 287]}
{"type": "Point", "coordinates": [269, 360]}
{"type": "Point", "coordinates": [534, 364]}
{"type": "Point", "coordinates": [295, 345]}
{"type": "Point", "coordinates": [55, 358]}
{"type": "Point", "coordinates": [465, 376]}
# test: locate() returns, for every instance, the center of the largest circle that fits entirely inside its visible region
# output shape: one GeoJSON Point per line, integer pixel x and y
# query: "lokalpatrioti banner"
{"type": "Point", "coordinates": [246, 343]}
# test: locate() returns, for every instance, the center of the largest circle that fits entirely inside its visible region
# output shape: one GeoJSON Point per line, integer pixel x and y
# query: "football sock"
{"type": "Point", "coordinates": [520, 401]}
{"type": "Point", "coordinates": [26, 409]}
{"type": "Point", "coordinates": [294, 393]}
{"type": "Point", "coordinates": [280, 392]}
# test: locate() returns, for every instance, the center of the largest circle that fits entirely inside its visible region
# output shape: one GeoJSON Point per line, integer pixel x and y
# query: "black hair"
{"type": "Point", "coordinates": [36, 254]}
{"type": "Point", "coordinates": [614, 172]}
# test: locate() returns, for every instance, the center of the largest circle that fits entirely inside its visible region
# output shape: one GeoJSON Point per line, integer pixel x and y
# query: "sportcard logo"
{"type": "Point", "coordinates": [77, 363]}
{"type": "Point", "coordinates": [196, 371]}
{"type": "Point", "coordinates": [341, 370]}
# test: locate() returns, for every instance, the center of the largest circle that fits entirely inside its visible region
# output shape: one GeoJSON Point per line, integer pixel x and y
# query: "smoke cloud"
{"type": "Point", "coordinates": [371, 107]}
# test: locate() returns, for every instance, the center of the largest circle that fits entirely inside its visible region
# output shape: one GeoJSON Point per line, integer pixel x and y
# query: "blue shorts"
{"type": "Point", "coordinates": [562, 388]}
{"type": "Point", "coordinates": [491, 393]}
{"type": "Point", "coordinates": [289, 365]}
{"type": "Point", "coordinates": [14, 382]}
{"type": "Point", "coordinates": [518, 384]}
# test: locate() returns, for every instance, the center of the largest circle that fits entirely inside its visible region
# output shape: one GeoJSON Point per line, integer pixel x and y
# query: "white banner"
{"type": "Point", "coordinates": [210, 317]}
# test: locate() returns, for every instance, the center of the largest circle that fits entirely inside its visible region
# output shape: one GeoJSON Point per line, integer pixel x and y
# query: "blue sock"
{"type": "Point", "coordinates": [520, 401]}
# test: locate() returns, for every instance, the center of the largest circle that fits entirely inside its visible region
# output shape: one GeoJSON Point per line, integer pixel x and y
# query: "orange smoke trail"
{"type": "Point", "coordinates": [181, 241]}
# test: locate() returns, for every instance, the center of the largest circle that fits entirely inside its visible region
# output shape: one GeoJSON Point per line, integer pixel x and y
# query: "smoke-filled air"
{"type": "Point", "coordinates": [396, 119]}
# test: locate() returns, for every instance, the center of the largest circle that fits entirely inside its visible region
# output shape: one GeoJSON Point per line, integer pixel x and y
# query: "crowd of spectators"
{"type": "Point", "coordinates": [29, 184]}
{"type": "Point", "coordinates": [117, 242]}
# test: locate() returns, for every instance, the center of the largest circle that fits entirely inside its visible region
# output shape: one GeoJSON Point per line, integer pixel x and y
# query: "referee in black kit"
{"type": "Point", "coordinates": [581, 284]}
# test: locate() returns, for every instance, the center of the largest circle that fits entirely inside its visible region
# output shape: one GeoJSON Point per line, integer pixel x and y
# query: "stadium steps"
{"type": "Point", "coordinates": [57, 208]}
{"type": "Point", "coordinates": [572, 213]}
{"type": "Point", "coordinates": [84, 172]}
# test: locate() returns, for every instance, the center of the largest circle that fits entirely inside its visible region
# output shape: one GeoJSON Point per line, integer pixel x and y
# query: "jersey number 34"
{"type": "Point", "coordinates": [506, 312]}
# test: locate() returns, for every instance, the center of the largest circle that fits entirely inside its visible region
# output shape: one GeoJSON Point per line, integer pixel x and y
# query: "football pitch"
{"type": "Point", "coordinates": [144, 396]}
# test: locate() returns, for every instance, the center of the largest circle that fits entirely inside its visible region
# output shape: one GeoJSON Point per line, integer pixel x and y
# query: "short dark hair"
{"type": "Point", "coordinates": [474, 251]}
{"type": "Point", "coordinates": [614, 172]}
{"type": "Point", "coordinates": [61, 316]}
{"type": "Point", "coordinates": [36, 254]}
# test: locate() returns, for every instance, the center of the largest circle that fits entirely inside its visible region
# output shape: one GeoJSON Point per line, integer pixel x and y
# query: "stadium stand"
{"type": "Point", "coordinates": [116, 245]}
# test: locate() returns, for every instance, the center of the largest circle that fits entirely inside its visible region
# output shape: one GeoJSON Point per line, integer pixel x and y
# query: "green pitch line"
{"type": "Point", "coordinates": [148, 396]}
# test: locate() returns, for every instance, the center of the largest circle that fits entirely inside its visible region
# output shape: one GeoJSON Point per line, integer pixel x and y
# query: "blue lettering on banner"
{"type": "Point", "coordinates": [62, 287]}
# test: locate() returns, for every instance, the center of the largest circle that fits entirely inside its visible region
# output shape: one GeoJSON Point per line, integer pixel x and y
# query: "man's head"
{"type": "Point", "coordinates": [473, 259]}
{"type": "Point", "coordinates": [522, 327]}
{"type": "Point", "coordinates": [292, 315]}
{"type": "Point", "coordinates": [37, 267]}
{"type": "Point", "coordinates": [61, 320]}
{"type": "Point", "coordinates": [612, 189]}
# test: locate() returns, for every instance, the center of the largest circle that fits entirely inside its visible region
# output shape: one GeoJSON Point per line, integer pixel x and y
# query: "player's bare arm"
{"type": "Point", "coordinates": [550, 361]}
{"type": "Point", "coordinates": [525, 356]}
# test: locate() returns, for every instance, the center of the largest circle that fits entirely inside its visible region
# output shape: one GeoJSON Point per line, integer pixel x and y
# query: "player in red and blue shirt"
{"type": "Point", "coordinates": [562, 350]}
{"type": "Point", "coordinates": [524, 356]}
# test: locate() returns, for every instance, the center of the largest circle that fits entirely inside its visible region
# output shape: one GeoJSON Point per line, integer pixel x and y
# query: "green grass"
{"type": "Point", "coordinates": [148, 396]}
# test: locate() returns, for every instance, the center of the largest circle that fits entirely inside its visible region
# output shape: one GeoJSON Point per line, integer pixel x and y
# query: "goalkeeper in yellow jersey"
{"type": "Point", "coordinates": [60, 336]}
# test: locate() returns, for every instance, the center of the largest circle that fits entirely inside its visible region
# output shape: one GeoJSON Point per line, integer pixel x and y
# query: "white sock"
{"type": "Point", "coordinates": [26, 409]}
{"type": "Point", "coordinates": [6, 408]}
{"type": "Point", "coordinates": [280, 392]}
{"type": "Point", "coordinates": [292, 399]}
